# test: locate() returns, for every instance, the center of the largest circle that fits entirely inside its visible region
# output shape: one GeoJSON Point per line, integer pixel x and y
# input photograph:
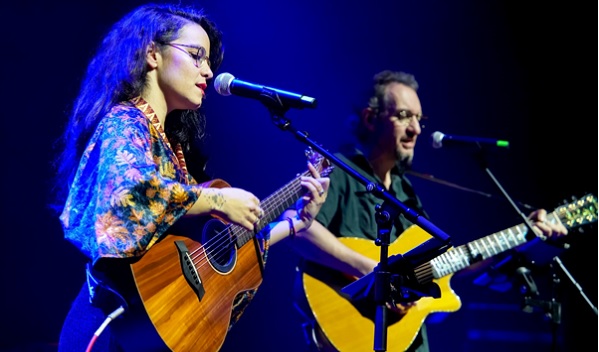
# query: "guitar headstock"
{"type": "Point", "coordinates": [579, 212]}
{"type": "Point", "coordinates": [321, 164]}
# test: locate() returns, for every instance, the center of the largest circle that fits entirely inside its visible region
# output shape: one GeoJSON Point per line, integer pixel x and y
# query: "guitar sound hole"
{"type": "Point", "coordinates": [219, 245]}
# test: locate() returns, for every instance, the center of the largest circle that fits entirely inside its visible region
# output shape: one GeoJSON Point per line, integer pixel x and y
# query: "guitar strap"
{"type": "Point", "coordinates": [101, 294]}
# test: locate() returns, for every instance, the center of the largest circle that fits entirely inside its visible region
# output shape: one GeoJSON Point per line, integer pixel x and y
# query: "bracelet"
{"type": "Point", "coordinates": [291, 227]}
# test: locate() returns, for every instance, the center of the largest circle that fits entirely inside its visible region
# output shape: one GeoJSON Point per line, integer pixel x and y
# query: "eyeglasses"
{"type": "Point", "coordinates": [404, 117]}
{"type": "Point", "coordinates": [199, 57]}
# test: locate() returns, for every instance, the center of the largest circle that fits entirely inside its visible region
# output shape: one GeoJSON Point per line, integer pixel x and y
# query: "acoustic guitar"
{"type": "Point", "coordinates": [186, 285]}
{"type": "Point", "coordinates": [349, 323]}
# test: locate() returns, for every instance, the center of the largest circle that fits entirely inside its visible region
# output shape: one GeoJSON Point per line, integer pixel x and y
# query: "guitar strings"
{"type": "Point", "coordinates": [222, 242]}
{"type": "Point", "coordinates": [571, 215]}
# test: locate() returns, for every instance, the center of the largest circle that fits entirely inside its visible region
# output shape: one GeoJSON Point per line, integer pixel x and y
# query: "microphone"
{"type": "Point", "coordinates": [439, 138]}
{"type": "Point", "coordinates": [227, 84]}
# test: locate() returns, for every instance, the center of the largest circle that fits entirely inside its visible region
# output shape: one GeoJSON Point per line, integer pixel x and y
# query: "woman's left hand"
{"type": "Point", "coordinates": [309, 205]}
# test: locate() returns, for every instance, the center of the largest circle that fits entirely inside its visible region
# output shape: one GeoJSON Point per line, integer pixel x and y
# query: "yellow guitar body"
{"type": "Point", "coordinates": [347, 329]}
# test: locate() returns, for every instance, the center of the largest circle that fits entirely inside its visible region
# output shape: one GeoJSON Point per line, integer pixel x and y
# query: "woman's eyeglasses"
{"type": "Point", "coordinates": [199, 54]}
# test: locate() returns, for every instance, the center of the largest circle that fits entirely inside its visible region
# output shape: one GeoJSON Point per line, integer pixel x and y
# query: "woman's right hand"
{"type": "Point", "coordinates": [234, 205]}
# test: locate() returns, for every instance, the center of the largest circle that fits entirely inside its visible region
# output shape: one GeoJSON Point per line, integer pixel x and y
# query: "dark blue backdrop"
{"type": "Point", "coordinates": [489, 69]}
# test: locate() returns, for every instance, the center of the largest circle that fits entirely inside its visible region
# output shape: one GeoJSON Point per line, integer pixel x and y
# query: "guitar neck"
{"type": "Point", "coordinates": [273, 206]}
{"type": "Point", "coordinates": [463, 256]}
{"type": "Point", "coordinates": [577, 213]}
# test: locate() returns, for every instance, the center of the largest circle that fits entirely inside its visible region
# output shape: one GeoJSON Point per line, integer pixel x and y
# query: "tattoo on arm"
{"type": "Point", "coordinates": [216, 201]}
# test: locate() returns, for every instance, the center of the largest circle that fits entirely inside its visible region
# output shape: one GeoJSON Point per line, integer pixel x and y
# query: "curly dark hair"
{"type": "Point", "coordinates": [118, 73]}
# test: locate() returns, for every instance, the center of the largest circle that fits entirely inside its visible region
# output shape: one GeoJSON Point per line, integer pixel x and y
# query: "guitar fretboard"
{"type": "Point", "coordinates": [580, 212]}
{"type": "Point", "coordinates": [278, 202]}
{"type": "Point", "coordinates": [463, 256]}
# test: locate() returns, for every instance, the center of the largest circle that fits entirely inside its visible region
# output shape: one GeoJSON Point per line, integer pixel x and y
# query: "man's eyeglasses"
{"type": "Point", "coordinates": [198, 55]}
{"type": "Point", "coordinates": [404, 117]}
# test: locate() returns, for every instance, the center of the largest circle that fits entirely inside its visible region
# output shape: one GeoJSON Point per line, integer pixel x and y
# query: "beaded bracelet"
{"type": "Point", "coordinates": [291, 227]}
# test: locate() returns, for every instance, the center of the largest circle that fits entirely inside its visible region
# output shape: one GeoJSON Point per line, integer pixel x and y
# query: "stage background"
{"type": "Point", "coordinates": [492, 69]}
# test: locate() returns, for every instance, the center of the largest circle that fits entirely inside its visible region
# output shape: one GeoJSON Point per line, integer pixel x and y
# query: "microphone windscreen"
{"type": "Point", "coordinates": [222, 83]}
{"type": "Point", "coordinates": [437, 139]}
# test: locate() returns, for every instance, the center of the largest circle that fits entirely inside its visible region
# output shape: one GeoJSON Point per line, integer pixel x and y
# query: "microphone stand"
{"type": "Point", "coordinates": [384, 216]}
{"type": "Point", "coordinates": [552, 308]}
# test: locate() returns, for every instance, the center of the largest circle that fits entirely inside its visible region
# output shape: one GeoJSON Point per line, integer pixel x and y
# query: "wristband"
{"type": "Point", "coordinates": [291, 227]}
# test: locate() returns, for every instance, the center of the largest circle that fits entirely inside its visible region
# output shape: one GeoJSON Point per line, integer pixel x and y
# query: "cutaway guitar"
{"type": "Point", "coordinates": [349, 325]}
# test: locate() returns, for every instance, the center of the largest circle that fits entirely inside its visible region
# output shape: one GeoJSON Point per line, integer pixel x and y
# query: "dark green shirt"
{"type": "Point", "coordinates": [349, 210]}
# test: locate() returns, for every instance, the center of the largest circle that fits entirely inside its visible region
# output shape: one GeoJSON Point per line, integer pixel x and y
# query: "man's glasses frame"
{"type": "Point", "coordinates": [404, 117]}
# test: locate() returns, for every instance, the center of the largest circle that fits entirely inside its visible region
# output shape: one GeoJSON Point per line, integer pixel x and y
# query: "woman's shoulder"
{"type": "Point", "coordinates": [125, 115]}
{"type": "Point", "coordinates": [126, 111]}
{"type": "Point", "coordinates": [122, 120]}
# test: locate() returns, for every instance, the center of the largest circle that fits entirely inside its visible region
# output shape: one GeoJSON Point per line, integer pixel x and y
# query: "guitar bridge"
{"type": "Point", "coordinates": [189, 271]}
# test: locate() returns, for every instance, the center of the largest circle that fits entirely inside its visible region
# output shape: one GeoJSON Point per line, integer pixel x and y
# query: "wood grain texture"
{"type": "Point", "coordinates": [180, 318]}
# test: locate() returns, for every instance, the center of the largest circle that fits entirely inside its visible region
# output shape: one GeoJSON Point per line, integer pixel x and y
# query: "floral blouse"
{"type": "Point", "coordinates": [130, 187]}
